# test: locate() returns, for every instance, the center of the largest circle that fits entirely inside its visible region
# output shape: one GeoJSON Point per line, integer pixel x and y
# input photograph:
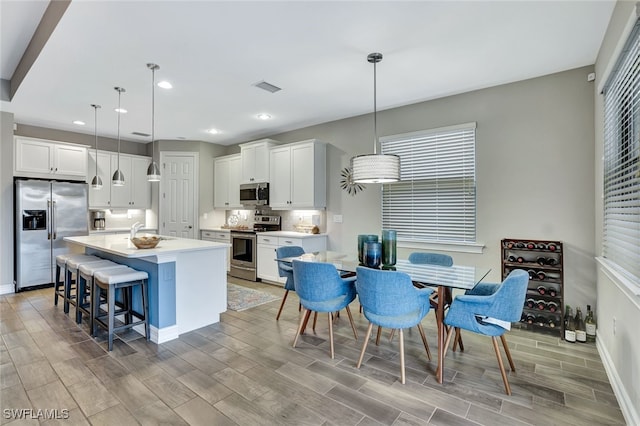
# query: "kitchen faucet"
{"type": "Point", "coordinates": [135, 228]}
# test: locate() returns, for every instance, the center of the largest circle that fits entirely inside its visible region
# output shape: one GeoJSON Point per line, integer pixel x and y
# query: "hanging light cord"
{"type": "Point", "coordinates": [95, 121]}
{"type": "Point", "coordinates": [119, 113]}
{"type": "Point", "coordinates": [375, 112]}
{"type": "Point", "coordinates": [153, 112]}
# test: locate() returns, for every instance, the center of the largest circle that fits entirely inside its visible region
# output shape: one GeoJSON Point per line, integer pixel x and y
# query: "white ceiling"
{"type": "Point", "coordinates": [214, 51]}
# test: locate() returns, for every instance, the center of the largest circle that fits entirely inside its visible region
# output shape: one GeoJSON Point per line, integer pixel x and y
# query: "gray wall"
{"type": "Point", "coordinates": [6, 202]}
{"type": "Point", "coordinates": [535, 155]}
{"type": "Point", "coordinates": [618, 309]}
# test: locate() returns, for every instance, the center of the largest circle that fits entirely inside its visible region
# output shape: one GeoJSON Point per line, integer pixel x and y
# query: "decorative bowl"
{"type": "Point", "coordinates": [145, 242]}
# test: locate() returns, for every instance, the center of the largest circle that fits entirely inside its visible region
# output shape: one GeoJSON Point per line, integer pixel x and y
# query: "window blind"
{"type": "Point", "coordinates": [621, 239]}
{"type": "Point", "coordinates": [435, 201]}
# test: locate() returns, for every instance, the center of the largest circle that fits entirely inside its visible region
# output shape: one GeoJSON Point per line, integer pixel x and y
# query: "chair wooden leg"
{"type": "Point", "coordinates": [506, 351]}
{"type": "Point", "coordinates": [501, 365]}
{"type": "Point", "coordinates": [284, 299]}
{"type": "Point", "coordinates": [444, 351]}
{"type": "Point", "coordinates": [315, 318]}
{"type": "Point", "coordinates": [306, 321]}
{"type": "Point", "coordinates": [364, 345]}
{"type": "Point", "coordinates": [424, 341]}
{"type": "Point", "coordinates": [378, 335]}
{"type": "Point", "coordinates": [353, 326]}
{"type": "Point", "coordinates": [330, 333]}
{"type": "Point", "coordinates": [303, 323]}
{"type": "Point", "coordinates": [402, 378]}
{"type": "Point", "coordinates": [391, 334]}
{"type": "Point", "coordinates": [459, 339]}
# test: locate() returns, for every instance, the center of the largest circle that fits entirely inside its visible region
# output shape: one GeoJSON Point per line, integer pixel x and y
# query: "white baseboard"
{"type": "Point", "coordinates": [160, 335]}
{"type": "Point", "coordinates": [7, 288]}
{"type": "Point", "coordinates": [629, 411]}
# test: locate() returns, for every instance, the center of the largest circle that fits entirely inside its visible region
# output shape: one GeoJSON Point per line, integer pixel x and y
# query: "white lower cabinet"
{"type": "Point", "coordinates": [219, 237]}
{"type": "Point", "coordinates": [267, 245]}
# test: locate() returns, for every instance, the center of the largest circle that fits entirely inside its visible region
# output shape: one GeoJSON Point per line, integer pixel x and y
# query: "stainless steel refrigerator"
{"type": "Point", "coordinates": [46, 212]}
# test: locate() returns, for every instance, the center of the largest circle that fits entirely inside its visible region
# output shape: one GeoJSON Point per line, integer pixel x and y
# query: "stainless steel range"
{"type": "Point", "coordinates": [243, 246]}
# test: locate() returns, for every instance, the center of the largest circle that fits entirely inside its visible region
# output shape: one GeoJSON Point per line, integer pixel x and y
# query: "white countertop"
{"type": "Point", "coordinates": [120, 245]}
{"type": "Point", "coordinates": [291, 234]}
{"type": "Point", "coordinates": [106, 231]}
{"type": "Point", "coordinates": [216, 229]}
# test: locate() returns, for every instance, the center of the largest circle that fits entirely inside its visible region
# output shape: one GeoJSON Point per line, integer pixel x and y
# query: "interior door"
{"type": "Point", "coordinates": [178, 186]}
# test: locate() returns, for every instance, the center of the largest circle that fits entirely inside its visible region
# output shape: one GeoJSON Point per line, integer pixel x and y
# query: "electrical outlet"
{"type": "Point", "coordinates": [337, 218]}
{"type": "Point", "coordinates": [205, 216]}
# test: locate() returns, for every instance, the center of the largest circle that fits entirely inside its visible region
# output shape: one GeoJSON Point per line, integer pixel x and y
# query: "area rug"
{"type": "Point", "coordinates": [240, 298]}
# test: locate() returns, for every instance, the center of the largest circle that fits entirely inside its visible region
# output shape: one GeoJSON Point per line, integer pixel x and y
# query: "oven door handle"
{"type": "Point", "coordinates": [244, 268]}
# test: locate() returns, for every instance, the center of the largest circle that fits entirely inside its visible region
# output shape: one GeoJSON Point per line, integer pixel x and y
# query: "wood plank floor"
{"type": "Point", "coordinates": [243, 371]}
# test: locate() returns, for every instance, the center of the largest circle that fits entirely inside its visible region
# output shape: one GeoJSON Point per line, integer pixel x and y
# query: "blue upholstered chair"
{"type": "Point", "coordinates": [286, 270]}
{"type": "Point", "coordinates": [482, 313]}
{"type": "Point", "coordinates": [321, 289]}
{"type": "Point", "coordinates": [389, 299]}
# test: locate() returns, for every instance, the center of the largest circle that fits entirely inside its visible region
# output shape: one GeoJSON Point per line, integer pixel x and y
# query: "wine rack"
{"type": "Point", "coordinates": [543, 309]}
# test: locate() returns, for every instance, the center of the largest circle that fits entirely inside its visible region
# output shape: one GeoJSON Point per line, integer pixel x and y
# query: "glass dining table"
{"type": "Point", "coordinates": [444, 278]}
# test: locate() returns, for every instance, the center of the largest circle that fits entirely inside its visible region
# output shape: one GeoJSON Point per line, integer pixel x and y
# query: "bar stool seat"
{"type": "Point", "coordinates": [72, 265]}
{"type": "Point", "coordinates": [84, 285]}
{"type": "Point", "coordinates": [110, 280]}
{"type": "Point", "coordinates": [63, 287]}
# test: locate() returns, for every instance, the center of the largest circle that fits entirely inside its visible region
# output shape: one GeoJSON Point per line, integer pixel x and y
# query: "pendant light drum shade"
{"type": "Point", "coordinates": [375, 168]}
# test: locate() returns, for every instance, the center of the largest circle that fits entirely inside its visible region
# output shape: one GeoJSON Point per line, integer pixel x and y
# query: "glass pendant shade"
{"type": "Point", "coordinates": [118, 178]}
{"type": "Point", "coordinates": [96, 182]}
{"type": "Point", "coordinates": [375, 168]}
{"type": "Point", "coordinates": [153, 172]}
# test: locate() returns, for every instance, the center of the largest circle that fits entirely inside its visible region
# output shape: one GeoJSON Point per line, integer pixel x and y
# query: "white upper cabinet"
{"type": "Point", "coordinates": [227, 173]}
{"type": "Point", "coordinates": [49, 159]}
{"type": "Point", "coordinates": [255, 160]}
{"type": "Point", "coordinates": [136, 191]}
{"type": "Point", "coordinates": [298, 174]}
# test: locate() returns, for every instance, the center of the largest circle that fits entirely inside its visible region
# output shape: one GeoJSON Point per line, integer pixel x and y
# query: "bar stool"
{"type": "Point", "coordinates": [61, 266]}
{"type": "Point", "coordinates": [110, 280]}
{"type": "Point", "coordinates": [84, 285]}
{"type": "Point", "coordinates": [72, 266]}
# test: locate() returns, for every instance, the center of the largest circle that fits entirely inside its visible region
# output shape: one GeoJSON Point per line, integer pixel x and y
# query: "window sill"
{"type": "Point", "coordinates": [623, 281]}
{"type": "Point", "coordinates": [476, 248]}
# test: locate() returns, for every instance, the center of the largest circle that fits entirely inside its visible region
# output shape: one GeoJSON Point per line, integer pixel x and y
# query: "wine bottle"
{"type": "Point", "coordinates": [590, 325]}
{"type": "Point", "coordinates": [530, 303]}
{"type": "Point", "coordinates": [581, 331]}
{"type": "Point", "coordinates": [510, 244]}
{"type": "Point", "coordinates": [552, 261]}
{"type": "Point", "coordinates": [519, 245]}
{"type": "Point", "coordinates": [531, 246]}
{"type": "Point", "coordinates": [511, 258]}
{"type": "Point", "coordinates": [552, 291]}
{"type": "Point", "coordinates": [530, 318]}
{"type": "Point", "coordinates": [541, 246]}
{"type": "Point", "coordinates": [541, 261]}
{"type": "Point", "coordinates": [552, 306]}
{"type": "Point", "coordinates": [569, 326]}
{"type": "Point", "coordinates": [541, 275]}
{"type": "Point", "coordinates": [540, 320]}
{"type": "Point", "coordinates": [520, 259]}
{"type": "Point", "coordinates": [541, 304]}
{"type": "Point", "coordinates": [541, 289]}
{"type": "Point", "coordinates": [552, 247]}
{"type": "Point", "coordinates": [551, 322]}
{"type": "Point", "coordinates": [532, 274]}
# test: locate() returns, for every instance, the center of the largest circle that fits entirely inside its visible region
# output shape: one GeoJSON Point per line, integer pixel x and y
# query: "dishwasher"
{"type": "Point", "coordinates": [219, 237]}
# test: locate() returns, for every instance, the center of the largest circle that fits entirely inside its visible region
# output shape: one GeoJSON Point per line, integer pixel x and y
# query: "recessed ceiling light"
{"type": "Point", "coordinates": [264, 116]}
{"type": "Point", "coordinates": [79, 122]}
{"type": "Point", "coordinates": [165, 84]}
{"type": "Point", "coordinates": [121, 110]}
{"type": "Point", "coordinates": [213, 131]}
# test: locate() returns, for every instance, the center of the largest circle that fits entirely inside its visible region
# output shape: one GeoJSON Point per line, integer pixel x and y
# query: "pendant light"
{"type": "Point", "coordinates": [153, 171]}
{"type": "Point", "coordinates": [375, 168]}
{"type": "Point", "coordinates": [96, 182]}
{"type": "Point", "coordinates": [118, 176]}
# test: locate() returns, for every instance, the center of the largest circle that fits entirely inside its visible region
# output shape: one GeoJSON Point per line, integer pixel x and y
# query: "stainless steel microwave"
{"type": "Point", "coordinates": [254, 194]}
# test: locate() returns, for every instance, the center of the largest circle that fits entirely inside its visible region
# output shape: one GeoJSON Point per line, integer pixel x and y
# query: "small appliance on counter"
{"type": "Point", "coordinates": [98, 222]}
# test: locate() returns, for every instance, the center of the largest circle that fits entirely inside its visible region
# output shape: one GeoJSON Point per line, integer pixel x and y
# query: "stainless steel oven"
{"type": "Point", "coordinates": [243, 255]}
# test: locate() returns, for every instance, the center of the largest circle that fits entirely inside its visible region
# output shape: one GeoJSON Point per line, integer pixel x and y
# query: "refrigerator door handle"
{"type": "Point", "coordinates": [53, 219]}
{"type": "Point", "coordinates": [49, 214]}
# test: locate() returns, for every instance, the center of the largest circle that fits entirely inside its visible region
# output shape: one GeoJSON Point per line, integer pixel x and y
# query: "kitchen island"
{"type": "Point", "coordinates": [187, 279]}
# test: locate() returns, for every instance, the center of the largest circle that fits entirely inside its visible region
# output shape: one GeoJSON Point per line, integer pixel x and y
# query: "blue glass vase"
{"type": "Point", "coordinates": [372, 254]}
{"type": "Point", "coordinates": [389, 238]}
{"type": "Point", "coordinates": [362, 239]}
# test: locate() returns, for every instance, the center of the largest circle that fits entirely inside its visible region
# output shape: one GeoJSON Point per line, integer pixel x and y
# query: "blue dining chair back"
{"type": "Point", "coordinates": [389, 299]}
{"type": "Point", "coordinates": [478, 313]}
{"type": "Point", "coordinates": [286, 270]}
{"type": "Point", "coordinates": [431, 258]}
{"type": "Point", "coordinates": [321, 289]}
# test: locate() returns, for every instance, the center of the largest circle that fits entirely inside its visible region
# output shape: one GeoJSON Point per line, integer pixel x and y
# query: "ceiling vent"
{"type": "Point", "coordinates": [144, 135]}
{"type": "Point", "coordinates": [267, 86]}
